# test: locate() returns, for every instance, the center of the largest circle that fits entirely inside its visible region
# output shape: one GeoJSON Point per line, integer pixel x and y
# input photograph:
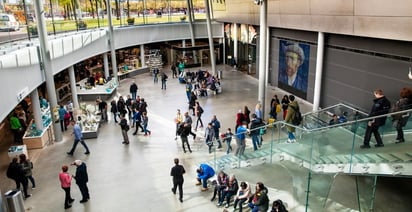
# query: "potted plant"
{"type": "Point", "coordinates": [33, 30]}
{"type": "Point", "coordinates": [183, 18]}
{"type": "Point", "coordinates": [130, 21]}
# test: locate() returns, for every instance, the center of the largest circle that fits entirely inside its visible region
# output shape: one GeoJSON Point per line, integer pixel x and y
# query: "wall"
{"type": "Point", "coordinates": [367, 18]}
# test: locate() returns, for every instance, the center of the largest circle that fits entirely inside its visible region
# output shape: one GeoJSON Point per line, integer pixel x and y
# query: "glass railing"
{"type": "Point", "coordinates": [328, 150]}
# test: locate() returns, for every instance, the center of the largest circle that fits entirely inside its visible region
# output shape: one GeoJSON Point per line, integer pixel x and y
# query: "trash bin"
{"type": "Point", "coordinates": [220, 74]}
{"type": "Point", "coordinates": [14, 199]}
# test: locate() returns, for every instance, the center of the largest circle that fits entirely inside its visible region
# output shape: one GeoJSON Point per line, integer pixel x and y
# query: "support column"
{"type": "Point", "coordinates": [73, 88]}
{"type": "Point", "coordinates": [235, 43]}
{"type": "Point", "coordinates": [111, 43]}
{"type": "Point", "coordinates": [319, 70]}
{"type": "Point", "coordinates": [142, 55]}
{"type": "Point", "coordinates": [262, 56]}
{"type": "Point", "coordinates": [224, 51]}
{"type": "Point", "coordinates": [106, 65]}
{"type": "Point", "coordinates": [35, 105]}
{"type": "Point", "coordinates": [210, 36]}
{"type": "Point", "coordinates": [183, 45]}
{"type": "Point", "coordinates": [192, 34]}
{"type": "Point", "coordinates": [48, 72]}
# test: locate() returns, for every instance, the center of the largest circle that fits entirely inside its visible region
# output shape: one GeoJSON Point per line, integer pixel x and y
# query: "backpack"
{"type": "Point", "coordinates": [200, 110]}
{"type": "Point", "coordinates": [127, 128]}
{"type": "Point", "coordinates": [297, 118]}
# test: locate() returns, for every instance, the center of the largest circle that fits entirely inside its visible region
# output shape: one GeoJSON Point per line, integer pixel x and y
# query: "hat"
{"type": "Point", "coordinates": [298, 50]}
{"type": "Point", "coordinates": [77, 162]}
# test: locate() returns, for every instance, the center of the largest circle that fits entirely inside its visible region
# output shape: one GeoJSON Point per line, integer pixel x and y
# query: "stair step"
{"type": "Point", "coordinates": [388, 157]}
{"type": "Point", "coordinates": [405, 157]}
{"type": "Point", "coordinates": [373, 158]}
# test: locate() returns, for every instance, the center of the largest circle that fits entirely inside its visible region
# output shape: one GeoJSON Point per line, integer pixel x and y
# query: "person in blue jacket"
{"type": "Point", "coordinates": [204, 172]}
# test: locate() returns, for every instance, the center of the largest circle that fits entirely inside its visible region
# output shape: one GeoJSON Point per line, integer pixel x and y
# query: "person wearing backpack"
{"type": "Point", "coordinates": [198, 113]}
{"type": "Point", "coordinates": [216, 128]}
{"type": "Point", "coordinates": [401, 119]}
{"type": "Point", "coordinates": [293, 107]}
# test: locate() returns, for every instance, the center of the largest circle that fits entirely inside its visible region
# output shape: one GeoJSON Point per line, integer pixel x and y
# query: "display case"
{"type": "Point", "coordinates": [89, 120]}
{"type": "Point", "coordinates": [15, 151]}
{"type": "Point", "coordinates": [33, 137]}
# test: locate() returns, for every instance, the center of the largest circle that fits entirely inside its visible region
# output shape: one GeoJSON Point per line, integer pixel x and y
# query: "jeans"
{"type": "Point", "coordinates": [228, 147]}
{"type": "Point", "coordinates": [368, 134]}
{"type": "Point", "coordinates": [199, 119]}
{"type": "Point", "coordinates": [204, 181]}
{"type": "Point", "coordinates": [291, 135]}
{"type": "Point", "coordinates": [240, 201]}
{"type": "Point", "coordinates": [185, 141]}
{"type": "Point", "coordinates": [255, 141]}
{"type": "Point", "coordinates": [145, 129]}
{"type": "Point", "coordinates": [75, 145]}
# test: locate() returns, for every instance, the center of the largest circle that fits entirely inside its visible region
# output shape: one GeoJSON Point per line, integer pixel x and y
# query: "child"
{"type": "Point", "coordinates": [227, 137]}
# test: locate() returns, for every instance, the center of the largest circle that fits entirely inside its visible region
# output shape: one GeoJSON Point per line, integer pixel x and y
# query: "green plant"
{"type": "Point", "coordinates": [183, 18]}
{"type": "Point", "coordinates": [81, 24]}
{"type": "Point", "coordinates": [130, 21]}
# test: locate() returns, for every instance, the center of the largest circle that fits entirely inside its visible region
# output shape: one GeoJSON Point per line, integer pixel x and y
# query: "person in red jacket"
{"type": "Point", "coordinates": [65, 181]}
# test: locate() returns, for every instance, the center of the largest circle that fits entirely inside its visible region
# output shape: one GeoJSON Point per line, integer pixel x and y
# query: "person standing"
{"type": "Point", "coordinates": [81, 179]}
{"type": "Point", "coordinates": [27, 167]}
{"type": "Point", "coordinates": [285, 105]}
{"type": "Point", "coordinates": [198, 112]}
{"type": "Point", "coordinates": [15, 172]}
{"type": "Point", "coordinates": [62, 112]}
{"type": "Point", "coordinates": [292, 109]}
{"type": "Point", "coordinates": [401, 119]}
{"type": "Point", "coordinates": [163, 78]}
{"type": "Point", "coordinates": [241, 139]}
{"type": "Point", "coordinates": [381, 106]}
{"type": "Point", "coordinates": [255, 131]}
{"type": "Point", "coordinates": [178, 121]}
{"type": "Point", "coordinates": [177, 172]}
{"type": "Point", "coordinates": [209, 136]}
{"type": "Point", "coordinates": [216, 128]}
{"type": "Point", "coordinates": [188, 88]}
{"type": "Point", "coordinates": [17, 129]}
{"type": "Point", "coordinates": [70, 108]}
{"type": "Point", "coordinates": [124, 127]}
{"type": "Point", "coordinates": [103, 109]}
{"type": "Point", "coordinates": [65, 182]}
{"type": "Point", "coordinates": [133, 90]}
{"type": "Point", "coordinates": [174, 71]}
{"type": "Point", "coordinates": [155, 75]}
{"type": "Point", "coordinates": [114, 110]}
{"type": "Point", "coordinates": [258, 111]}
{"type": "Point", "coordinates": [228, 139]}
{"type": "Point", "coordinates": [78, 137]}
{"type": "Point", "coordinates": [240, 117]}
{"type": "Point", "coordinates": [137, 120]}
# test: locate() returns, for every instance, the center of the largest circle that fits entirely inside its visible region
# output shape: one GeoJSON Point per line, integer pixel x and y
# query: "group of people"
{"type": "Point", "coordinates": [20, 170]}
{"type": "Point", "coordinates": [226, 188]}
{"type": "Point", "coordinates": [81, 178]}
{"type": "Point", "coordinates": [199, 82]}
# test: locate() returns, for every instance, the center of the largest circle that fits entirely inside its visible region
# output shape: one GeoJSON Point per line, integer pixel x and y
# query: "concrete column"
{"type": "Point", "coordinates": [224, 51]}
{"type": "Point", "coordinates": [106, 65]}
{"type": "Point", "coordinates": [192, 34]}
{"type": "Point", "coordinates": [73, 88]}
{"type": "Point", "coordinates": [35, 105]}
{"type": "Point", "coordinates": [235, 42]}
{"type": "Point", "coordinates": [111, 43]}
{"type": "Point", "coordinates": [183, 45]}
{"type": "Point", "coordinates": [319, 69]}
{"type": "Point", "coordinates": [210, 36]}
{"type": "Point", "coordinates": [48, 72]}
{"type": "Point", "coordinates": [142, 55]}
{"type": "Point", "coordinates": [262, 55]}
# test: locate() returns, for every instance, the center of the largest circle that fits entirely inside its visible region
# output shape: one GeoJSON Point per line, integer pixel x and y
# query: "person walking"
{"type": "Point", "coordinates": [124, 127]}
{"type": "Point", "coordinates": [188, 121]}
{"type": "Point", "coordinates": [178, 121]}
{"type": "Point", "coordinates": [241, 139]}
{"type": "Point", "coordinates": [62, 112]}
{"type": "Point", "coordinates": [216, 128]}
{"type": "Point", "coordinates": [27, 167]}
{"type": "Point", "coordinates": [65, 182]}
{"type": "Point", "coordinates": [209, 136]}
{"type": "Point", "coordinates": [78, 137]}
{"type": "Point", "coordinates": [184, 131]}
{"type": "Point", "coordinates": [228, 139]}
{"type": "Point", "coordinates": [381, 106]}
{"type": "Point", "coordinates": [401, 119]}
{"type": "Point", "coordinates": [285, 105]}
{"type": "Point", "coordinates": [198, 112]}
{"type": "Point", "coordinates": [133, 90]}
{"type": "Point", "coordinates": [114, 110]}
{"type": "Point", "coordinates": [145, 122]}
{"type": "Point", "coordinates": [82, 179]}
{"type": "Point", "coordinates": [155, 75]}
{"type": "Point", "coordinates": [292, 109]}
{"type": "Point", "coordinates": [177, 172]}
{"type": "Point", "coordinates": [255, 131]}
{"type": "Point", "coordinates": [137, 120]}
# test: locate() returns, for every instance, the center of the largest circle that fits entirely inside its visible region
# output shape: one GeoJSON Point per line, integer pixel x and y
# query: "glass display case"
{"type": "Point", "coordinates": [35, 138]}
{"type": "Point", "coordinates": [89, 120]}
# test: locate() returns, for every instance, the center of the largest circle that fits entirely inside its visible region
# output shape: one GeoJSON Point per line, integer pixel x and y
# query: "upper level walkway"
{"type": "Point", "coordinates": [22, 59]}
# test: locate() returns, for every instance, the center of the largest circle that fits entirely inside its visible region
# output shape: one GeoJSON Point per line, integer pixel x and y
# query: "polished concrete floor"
{"type": "Point", "coordinates": [136, 177]}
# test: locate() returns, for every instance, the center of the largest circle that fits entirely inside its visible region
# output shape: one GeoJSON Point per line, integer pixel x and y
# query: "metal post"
{"type": "Point", "coordinates": [262, 55]}
{"type": "Point", "coordinates": [210, 36]}
{"type": "Point", "coordinates": [111, 42]}
{"type": "Point", "coordinates": [73, 87]}
{"type": "Point", "coordinates": [319, 67]}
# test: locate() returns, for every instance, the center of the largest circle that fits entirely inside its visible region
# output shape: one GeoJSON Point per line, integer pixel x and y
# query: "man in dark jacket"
{"type": "Point", "coordinates": [177, 174]}
{"type": "Point", "coordinates": [184, 131]}
{"type": "Point", "coordinates": [133, 90]}
{"type": "Point", "coordinates": [15, 171]}
{"type": "Point", "coordinates": [255, 131]}
{"type": "Point", "coordinates": [82, 179]}
{"type": "Point", "coordinates": [381, 106]}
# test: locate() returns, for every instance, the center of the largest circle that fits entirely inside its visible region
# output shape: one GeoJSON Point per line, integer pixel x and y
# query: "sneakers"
{"type": "Point", "coordinates": [198, 183]}
{"type": "Point", "coordinates": [204, 189]}
{"type": "Point", "coordinates": [227, 206]}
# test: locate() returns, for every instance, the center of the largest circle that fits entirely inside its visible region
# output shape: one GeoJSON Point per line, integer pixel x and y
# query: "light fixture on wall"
{"type": "Point", "coordinates": [410, 74]}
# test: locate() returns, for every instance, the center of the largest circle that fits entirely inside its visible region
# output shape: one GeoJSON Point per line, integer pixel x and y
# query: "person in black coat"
{"type": "Point", "coordinates": [82, 179]}
{"type": "Point", "coordinates": [133, 90]}
{"type": "Point", "coordinates": [15, 171]}
{"type": "Point", "coordinates": [177, 174]}
{"type": "Point", "coordinates": [381, 106]}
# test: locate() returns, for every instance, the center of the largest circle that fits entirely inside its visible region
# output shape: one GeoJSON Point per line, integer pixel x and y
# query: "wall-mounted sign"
{"type": "Point", "coordinates": [23, 93]}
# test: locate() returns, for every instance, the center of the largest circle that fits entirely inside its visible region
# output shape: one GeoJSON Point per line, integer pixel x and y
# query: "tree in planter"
{"type": "Point", "coordinates": [81, 25]}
